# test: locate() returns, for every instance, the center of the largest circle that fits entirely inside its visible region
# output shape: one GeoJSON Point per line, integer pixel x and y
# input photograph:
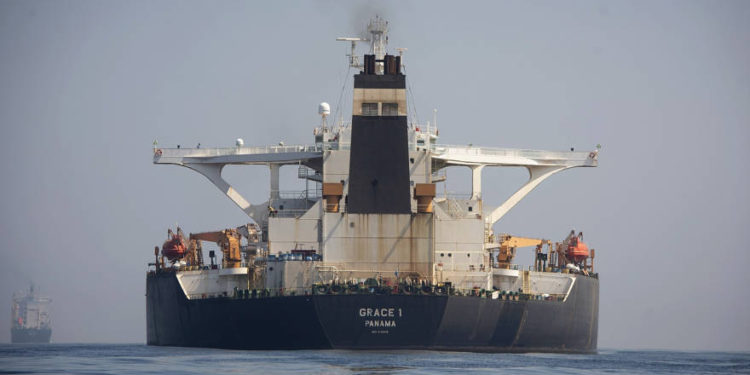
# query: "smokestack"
{"type": "Point", "coordinates": [369, 64]}
{"type": "Point", "coordinates": [390, 65]}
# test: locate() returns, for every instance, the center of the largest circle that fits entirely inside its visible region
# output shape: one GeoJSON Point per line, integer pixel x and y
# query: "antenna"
{"type": "Point", "coordinates": [378, 29]}
{"type": "Point", "coordinates": [353, 59]}
{"type": "Point", "coordinates": [401, 55]}
{"type": "Point", "coordinates": [324, 109]}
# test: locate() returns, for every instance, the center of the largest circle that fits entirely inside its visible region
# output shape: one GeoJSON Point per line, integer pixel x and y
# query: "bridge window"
{"type": "Point", "coordinates": [369, 109]}
{"type": "Point", "coordinates": [390, 109]}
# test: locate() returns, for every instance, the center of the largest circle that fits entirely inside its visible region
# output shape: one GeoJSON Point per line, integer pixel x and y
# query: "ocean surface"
{"type": "Point", "coordinates": [142, 359]}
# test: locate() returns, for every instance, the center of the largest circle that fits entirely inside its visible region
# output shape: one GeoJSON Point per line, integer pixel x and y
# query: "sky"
{"type": "Point", "coordinates": [663, 86]}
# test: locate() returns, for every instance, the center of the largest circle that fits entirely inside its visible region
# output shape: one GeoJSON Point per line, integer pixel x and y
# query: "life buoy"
{"type": "Point", "coordinates": [592, 155]}
{"type": "Point", "coordinates": [158, 152]}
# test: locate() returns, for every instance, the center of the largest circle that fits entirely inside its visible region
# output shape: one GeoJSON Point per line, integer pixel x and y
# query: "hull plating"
{"type": "Point", "coordinates": [373, 321]}
{"type": "Point", "coordinates": [30, 336]}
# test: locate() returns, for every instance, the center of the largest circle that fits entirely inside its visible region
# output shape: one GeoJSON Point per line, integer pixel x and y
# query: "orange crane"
{"type": "Point", "coordinates": [508, 245]}
{"type": "Point", "coordinates": [228, 241]}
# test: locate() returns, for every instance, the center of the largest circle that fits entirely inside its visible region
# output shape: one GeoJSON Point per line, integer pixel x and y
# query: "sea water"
{"type": "Point", "coordinates": [142, 359]}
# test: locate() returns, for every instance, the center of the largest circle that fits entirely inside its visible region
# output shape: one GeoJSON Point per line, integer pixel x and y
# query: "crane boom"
{"type": "Point", "coordinates": [228, 241]}
{"type": "Point", "coordinates": [508, 245]}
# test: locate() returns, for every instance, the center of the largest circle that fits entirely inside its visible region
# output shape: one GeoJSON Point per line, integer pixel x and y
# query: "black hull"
{"type": "Point", "coordinates": [30, 336]}
{"type": "Point", "coordinates": [456, 323]}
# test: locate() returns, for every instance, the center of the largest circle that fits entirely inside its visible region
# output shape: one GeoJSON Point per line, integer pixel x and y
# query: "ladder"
{"type": "Point", "coordinates": [526, 287]}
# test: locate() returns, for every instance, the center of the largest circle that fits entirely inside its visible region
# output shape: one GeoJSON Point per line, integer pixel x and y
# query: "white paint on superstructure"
{"type": "Point", "coordinates": [295, 233]}
{"type": "Point", "coordinates": [541, 165]}
{"type": "Point", "coordinates": [552, 283]}
{"type": "Point", "coordinates": [366, 244]}
{"type": "Point", "coordinates": [212, 283]}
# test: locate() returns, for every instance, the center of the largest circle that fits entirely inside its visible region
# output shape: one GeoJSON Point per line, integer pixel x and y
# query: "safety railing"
{"type": "Point", "coordinates": [455, 195]}
{"type": "Point", "coordinates": [381, 290]}
{"type": "Point", "coordinates": [532, 154]}
{"type": "Point", "coordinates": [173, 152]}
{"type": "Point", "coordinates": [299, 194]}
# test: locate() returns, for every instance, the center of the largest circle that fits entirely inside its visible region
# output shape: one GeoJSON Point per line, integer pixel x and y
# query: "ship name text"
{"type": "Point", "coordinates": [380, 312]}
{"type": "Point", "coordinates": [380, 317]}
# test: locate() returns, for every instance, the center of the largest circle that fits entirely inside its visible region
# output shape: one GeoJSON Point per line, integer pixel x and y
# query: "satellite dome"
{"type": "Point", "coordinates": [239, 142]}
{"type": "Point", "coordinates": [324, 109]}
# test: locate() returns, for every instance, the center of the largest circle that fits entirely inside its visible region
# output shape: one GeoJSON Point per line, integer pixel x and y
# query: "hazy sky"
{"type": "Point", "coordinates": [664, 86]}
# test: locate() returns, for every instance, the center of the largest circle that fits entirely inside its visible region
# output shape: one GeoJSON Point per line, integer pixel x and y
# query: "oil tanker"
{"type": "Point", "coordinates": [30, 318]}
{"type": "Point", "coordinates": [374, 253]}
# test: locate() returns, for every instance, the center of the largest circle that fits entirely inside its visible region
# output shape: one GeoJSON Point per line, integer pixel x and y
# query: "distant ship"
{"type": "Point", "coordinates": [374, 253]}
{"type": "Point", "coordinates": [30, 320]}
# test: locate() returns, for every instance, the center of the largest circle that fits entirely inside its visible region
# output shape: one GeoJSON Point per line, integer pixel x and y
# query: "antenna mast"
{"type": "Point", "coordinates": [353, 58]}
{"type": "Point", "coordinates": [378, 29]}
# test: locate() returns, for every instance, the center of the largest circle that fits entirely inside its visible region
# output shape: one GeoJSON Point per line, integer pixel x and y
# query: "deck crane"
{"type": "Point", "coordinates": [507, 249]}
{"type": "Point", "coordinates": [228, 241]}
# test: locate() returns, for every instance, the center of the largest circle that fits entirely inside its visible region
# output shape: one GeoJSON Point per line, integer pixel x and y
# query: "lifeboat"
{"type": "Point", "coordinates": [577, 250]}
{"type": "Point", "coordinates": [174, 249]}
